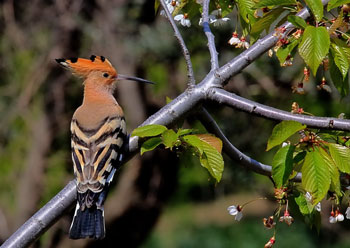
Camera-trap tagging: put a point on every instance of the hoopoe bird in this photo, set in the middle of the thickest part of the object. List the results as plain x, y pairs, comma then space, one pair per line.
98, 134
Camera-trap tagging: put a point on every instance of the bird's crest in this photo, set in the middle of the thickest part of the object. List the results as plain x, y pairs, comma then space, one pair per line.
82, 67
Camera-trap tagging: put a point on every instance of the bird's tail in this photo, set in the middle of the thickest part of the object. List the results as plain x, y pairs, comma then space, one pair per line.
88, 223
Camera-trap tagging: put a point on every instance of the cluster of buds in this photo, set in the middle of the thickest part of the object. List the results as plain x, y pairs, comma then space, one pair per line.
281, 194
306, 74
287, 218
279, 32
288, 61
270, 243
281, 42
296, 109
269, 222
238, 43
324, 86
297, 34
336, 216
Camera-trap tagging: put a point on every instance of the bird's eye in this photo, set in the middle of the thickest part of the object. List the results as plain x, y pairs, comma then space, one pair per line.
106, 75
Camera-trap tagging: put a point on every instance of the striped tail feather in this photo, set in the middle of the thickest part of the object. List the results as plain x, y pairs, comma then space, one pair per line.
87, 223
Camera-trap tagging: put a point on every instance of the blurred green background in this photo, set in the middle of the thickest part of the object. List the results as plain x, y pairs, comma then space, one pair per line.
158, 200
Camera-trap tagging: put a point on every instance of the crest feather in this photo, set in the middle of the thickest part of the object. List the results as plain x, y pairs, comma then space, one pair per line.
82, 67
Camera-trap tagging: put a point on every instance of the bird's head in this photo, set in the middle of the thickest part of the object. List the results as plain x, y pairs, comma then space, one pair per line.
97, 68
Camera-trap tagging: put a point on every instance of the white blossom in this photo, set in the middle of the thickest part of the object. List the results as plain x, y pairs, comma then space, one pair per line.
347, 213
183, 20
235, 211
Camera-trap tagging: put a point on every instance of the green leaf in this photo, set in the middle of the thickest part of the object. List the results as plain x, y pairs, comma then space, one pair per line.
282, 165
314, 46
265, 22
316, 176
316, 7
297, 21
182, 132
246, 9
283, 52
209, 158
341, 156
341, 58
333, 170
267, 3
304, 207
210, 139
335, 3
169, 138
337, 78
299, 157
283, 131
149, 130
150, 144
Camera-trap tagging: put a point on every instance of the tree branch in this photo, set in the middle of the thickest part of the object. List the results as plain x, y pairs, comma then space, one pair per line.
230, 99
186, 53
211, 38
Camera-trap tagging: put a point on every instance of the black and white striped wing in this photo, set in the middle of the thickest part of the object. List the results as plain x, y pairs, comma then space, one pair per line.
95, 152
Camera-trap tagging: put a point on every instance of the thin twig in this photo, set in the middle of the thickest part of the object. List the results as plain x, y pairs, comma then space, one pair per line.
235, 154
230, 99
186, 53
211, 38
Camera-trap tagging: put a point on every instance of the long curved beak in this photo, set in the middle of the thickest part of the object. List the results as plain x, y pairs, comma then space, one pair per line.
141, 80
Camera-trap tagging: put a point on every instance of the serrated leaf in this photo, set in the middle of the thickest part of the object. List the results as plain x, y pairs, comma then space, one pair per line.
297, 21
283, 52
265, 22
150, 144
283, 131
314, 46
316, 177
210, 158
246, 9
149, 130
169, 138
340, 59
341, 156
282, 165
341, 84
267, 3
335, 3
333, 171
316, 7
211, 140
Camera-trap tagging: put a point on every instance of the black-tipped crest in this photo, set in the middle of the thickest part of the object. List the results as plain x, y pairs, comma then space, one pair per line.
102, 58
92, 58
73, 60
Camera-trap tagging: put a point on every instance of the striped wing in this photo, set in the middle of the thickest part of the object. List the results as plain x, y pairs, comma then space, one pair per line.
95, 151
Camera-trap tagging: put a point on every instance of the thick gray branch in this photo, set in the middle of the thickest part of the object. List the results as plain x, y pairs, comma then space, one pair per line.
230, 99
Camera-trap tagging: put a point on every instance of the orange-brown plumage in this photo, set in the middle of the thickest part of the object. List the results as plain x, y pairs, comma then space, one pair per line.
98, 134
